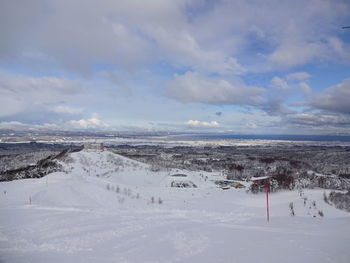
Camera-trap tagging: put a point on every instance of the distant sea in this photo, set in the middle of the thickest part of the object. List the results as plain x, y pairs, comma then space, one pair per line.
324, 138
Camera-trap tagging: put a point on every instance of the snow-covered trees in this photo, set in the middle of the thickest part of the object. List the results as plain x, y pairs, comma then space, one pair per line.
340, 200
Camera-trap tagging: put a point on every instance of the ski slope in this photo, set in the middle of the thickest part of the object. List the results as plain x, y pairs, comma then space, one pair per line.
100, 209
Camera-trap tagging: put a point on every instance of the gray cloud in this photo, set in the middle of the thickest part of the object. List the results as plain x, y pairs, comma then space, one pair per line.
291, 82
327, 111
320, 121
335, 99
279, 83
214, 41
67, 109
131, 33
117, 33
20, 94
275, 107
16, 125
308, 122
293, 33
192, 87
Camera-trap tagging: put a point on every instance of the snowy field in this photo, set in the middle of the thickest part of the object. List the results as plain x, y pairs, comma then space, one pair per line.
107, 208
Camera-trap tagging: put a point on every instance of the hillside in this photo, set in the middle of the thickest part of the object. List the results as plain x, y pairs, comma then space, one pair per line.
103, 207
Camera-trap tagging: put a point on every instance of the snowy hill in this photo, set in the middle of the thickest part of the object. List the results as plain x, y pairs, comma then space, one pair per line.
107, 208
117, 169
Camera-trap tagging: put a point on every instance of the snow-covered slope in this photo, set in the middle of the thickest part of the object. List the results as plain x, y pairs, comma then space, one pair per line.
115, 168
107, 208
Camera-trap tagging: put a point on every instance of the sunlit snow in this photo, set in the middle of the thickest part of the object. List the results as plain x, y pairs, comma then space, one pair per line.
107, 208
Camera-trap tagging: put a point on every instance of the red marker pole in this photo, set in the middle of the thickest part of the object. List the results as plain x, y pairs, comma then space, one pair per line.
267, 200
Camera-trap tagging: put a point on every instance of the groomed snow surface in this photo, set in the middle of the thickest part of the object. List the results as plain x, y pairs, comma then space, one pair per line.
107, 208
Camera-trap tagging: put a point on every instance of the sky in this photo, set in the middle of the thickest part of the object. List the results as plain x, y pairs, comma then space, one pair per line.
236, 66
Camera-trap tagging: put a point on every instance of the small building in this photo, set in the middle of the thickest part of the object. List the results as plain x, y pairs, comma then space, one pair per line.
259, 183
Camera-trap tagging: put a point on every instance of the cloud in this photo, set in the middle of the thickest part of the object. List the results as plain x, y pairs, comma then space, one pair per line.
21, 93
277, 82
281, 88
299, 76
182, 47
16, 125
291, 82
208, 36
275, 107
93, 122
304, 87
250, 125
277, 34
320, 121
107, 32
126, 49
328, 111
219, 113
205, 124
341, 50
192, 87
67, 110
335, 99
293, 54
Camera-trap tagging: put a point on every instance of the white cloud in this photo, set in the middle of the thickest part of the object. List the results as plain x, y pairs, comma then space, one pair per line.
181, 46
21, 93
17, 125
304, 87
213, 41
298, 76
210, 36
251, 125
296, 81
94, 122
293, 54
192, 87
279, 83
340, 49
196, 123
90, 123
67, 110
113, 32
293, 33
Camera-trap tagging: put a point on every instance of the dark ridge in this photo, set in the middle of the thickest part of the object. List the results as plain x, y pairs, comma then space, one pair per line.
40, 169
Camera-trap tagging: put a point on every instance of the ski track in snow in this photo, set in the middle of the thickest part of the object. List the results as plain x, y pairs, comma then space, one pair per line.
78, 216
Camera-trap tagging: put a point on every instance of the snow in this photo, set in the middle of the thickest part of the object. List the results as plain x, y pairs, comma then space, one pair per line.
78, 216
259, 178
